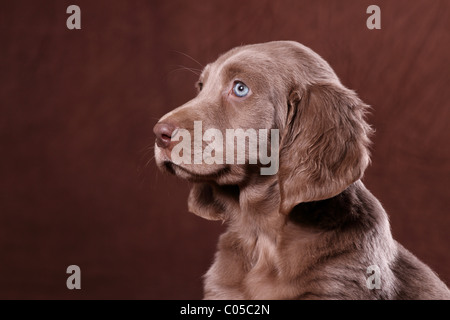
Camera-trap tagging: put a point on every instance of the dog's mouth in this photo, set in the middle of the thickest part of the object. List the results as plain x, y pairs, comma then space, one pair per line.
192, 172
189, 175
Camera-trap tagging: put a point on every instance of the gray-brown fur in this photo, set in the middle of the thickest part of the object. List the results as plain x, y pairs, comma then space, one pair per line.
312, 230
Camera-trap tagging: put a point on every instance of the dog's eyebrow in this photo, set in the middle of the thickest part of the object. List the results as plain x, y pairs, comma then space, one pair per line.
241, 71
234, 70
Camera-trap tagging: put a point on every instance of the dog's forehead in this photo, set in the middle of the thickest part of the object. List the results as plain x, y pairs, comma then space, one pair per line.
248, 55
296, 61
244, 57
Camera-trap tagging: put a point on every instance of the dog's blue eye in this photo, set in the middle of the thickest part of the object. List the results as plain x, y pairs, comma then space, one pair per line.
240, 89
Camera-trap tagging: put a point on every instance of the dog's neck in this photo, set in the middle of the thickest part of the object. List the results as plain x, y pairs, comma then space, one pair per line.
252, 215
254, 208
353, 212
254, 203
258, 201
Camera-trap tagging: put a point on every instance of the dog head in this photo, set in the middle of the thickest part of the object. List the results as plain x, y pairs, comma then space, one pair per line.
321, 141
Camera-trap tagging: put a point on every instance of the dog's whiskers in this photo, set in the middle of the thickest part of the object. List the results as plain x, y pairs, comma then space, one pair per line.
193, 70
188, 56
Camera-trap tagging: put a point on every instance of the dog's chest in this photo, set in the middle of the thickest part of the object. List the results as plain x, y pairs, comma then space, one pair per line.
262, 277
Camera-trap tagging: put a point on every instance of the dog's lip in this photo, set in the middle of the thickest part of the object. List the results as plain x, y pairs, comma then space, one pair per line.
172, 167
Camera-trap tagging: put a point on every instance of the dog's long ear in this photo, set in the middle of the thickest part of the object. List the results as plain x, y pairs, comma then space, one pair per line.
324, 146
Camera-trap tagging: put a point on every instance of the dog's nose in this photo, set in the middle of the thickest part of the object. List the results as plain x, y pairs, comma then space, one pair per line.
163, 132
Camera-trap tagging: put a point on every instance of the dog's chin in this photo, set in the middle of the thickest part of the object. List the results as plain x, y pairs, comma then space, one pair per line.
220, 175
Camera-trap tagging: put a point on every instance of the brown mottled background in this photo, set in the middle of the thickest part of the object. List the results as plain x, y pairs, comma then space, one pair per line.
77, 185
